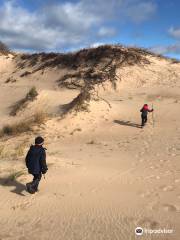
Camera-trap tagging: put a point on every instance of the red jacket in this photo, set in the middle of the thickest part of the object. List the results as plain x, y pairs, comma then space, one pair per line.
144, 110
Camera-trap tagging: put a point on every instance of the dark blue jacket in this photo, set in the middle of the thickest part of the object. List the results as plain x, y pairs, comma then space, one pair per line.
36, 160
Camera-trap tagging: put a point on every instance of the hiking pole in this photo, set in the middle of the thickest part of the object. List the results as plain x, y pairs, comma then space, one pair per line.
153, 114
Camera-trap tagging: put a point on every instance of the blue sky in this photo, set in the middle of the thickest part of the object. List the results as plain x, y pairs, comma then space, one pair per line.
44, 25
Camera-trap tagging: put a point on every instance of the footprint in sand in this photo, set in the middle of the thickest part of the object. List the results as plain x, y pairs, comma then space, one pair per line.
145, 194
149, 223
167, 188
169, 208
22, 238
141, 153
22, 206
166, 207
163, 160
158, 177
177, 180
173, 154
22, 223
146, 144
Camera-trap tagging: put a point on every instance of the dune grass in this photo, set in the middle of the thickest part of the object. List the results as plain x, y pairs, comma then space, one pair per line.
4, 49
23, 125
16, 174
21, 104
19, 150
12, 152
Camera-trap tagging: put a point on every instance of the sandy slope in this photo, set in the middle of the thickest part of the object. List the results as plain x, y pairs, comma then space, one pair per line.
106, 175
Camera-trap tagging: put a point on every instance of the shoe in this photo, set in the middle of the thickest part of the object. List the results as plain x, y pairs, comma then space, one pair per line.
29, 188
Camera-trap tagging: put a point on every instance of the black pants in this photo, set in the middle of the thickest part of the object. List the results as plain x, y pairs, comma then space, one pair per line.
144, 120
36, 180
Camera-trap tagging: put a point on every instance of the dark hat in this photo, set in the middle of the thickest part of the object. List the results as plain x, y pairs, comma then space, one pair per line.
39, 140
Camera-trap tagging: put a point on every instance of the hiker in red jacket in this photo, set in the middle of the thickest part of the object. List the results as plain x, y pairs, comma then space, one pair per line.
144, 112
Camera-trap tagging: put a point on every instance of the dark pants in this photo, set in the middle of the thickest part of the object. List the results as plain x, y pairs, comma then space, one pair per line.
144, 120
36, 180
32, 187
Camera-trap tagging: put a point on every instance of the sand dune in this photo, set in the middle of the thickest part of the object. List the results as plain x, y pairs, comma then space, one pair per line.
106, 175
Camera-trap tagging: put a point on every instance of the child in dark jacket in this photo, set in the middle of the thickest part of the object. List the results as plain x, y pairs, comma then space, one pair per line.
144, 112
36, 164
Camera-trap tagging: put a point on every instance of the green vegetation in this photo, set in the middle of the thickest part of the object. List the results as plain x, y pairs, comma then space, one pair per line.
14, 175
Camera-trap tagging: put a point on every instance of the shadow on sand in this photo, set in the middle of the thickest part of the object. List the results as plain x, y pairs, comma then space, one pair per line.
18, 187
127, 123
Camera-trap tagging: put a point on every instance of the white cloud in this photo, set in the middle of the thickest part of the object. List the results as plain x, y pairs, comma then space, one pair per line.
23, 29
55, 26
174, 32
106, 32
67, 24
97, 44
170, 49
141, 11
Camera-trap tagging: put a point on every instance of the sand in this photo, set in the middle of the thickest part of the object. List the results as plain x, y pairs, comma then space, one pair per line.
106, 175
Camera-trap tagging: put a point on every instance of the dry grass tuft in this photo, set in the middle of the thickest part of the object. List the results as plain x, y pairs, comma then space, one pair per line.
14, 175
24, 125
30, 96
39, 117
19, 150
2, 154
4, 49
16, 128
